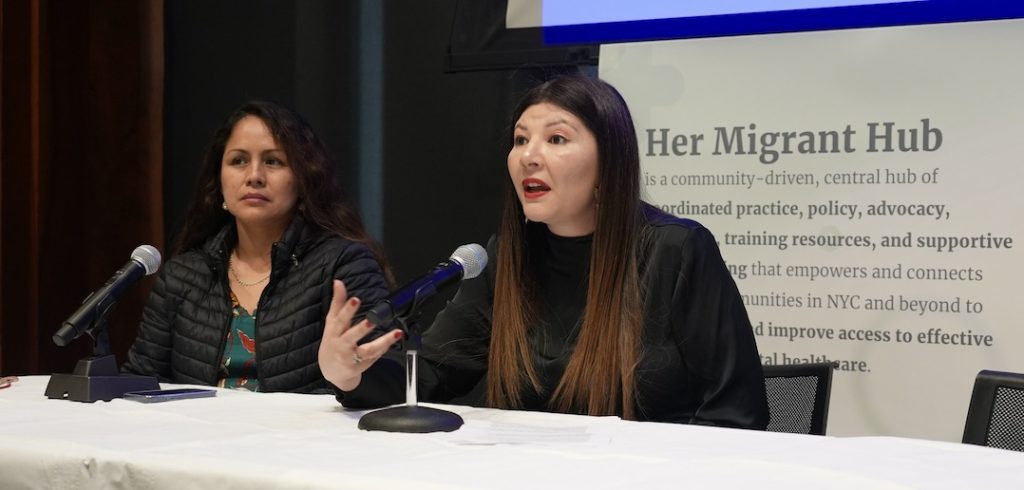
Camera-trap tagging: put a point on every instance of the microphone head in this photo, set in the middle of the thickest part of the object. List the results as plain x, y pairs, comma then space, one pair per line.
148, 256
472, 258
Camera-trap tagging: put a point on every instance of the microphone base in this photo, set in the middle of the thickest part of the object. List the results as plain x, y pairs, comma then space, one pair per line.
94, 379
411, 419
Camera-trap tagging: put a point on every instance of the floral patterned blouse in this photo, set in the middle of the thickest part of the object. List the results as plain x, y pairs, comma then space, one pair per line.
239, 367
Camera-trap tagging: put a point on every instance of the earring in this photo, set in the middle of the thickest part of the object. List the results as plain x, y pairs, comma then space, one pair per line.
224, 205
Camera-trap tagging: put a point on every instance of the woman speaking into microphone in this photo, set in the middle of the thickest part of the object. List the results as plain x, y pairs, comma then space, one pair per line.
592, 302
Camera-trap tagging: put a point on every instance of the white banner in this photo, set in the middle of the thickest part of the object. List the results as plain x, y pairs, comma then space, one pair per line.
864, 186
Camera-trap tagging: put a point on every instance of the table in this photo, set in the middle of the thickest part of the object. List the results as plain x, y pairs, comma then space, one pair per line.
277, 440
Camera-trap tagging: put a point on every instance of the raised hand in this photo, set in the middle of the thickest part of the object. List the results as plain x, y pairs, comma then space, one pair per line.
342, 359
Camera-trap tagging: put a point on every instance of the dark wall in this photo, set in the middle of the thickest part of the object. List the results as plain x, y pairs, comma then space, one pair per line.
445, 140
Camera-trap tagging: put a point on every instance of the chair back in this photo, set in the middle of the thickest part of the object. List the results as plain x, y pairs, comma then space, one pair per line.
995, 417
798, 397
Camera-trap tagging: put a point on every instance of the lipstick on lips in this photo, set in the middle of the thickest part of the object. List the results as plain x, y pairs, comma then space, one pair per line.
534, 188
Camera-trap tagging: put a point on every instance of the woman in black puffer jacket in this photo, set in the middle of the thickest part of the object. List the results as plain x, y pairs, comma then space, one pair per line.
242, 303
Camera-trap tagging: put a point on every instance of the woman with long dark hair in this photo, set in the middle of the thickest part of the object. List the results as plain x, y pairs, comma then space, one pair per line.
593, 302
242, 302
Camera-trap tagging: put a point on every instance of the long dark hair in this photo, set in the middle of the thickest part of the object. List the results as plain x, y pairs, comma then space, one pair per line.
599, 378
321, 203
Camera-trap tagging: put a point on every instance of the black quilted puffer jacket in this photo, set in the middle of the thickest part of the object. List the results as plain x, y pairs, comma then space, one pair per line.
185, 322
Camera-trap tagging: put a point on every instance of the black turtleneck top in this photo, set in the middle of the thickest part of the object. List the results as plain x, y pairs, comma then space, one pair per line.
699, 361
562, 266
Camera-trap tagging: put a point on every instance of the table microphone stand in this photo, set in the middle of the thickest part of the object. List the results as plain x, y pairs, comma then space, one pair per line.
410, 417
97, 377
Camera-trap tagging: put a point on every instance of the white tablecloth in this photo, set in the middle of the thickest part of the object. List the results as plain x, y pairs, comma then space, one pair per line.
270, 440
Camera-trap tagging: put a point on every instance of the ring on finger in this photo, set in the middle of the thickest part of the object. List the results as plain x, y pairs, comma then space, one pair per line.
356, 358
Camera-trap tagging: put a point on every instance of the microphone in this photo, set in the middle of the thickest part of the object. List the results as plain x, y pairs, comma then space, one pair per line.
145, 261
466, 262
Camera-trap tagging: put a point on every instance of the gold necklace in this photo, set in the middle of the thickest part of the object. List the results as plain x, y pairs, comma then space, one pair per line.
234, 274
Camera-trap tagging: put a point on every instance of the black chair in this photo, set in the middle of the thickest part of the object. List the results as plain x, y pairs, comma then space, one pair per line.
996, 414
798, 397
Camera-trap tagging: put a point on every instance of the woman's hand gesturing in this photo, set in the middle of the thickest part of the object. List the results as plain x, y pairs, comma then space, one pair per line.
342, 358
